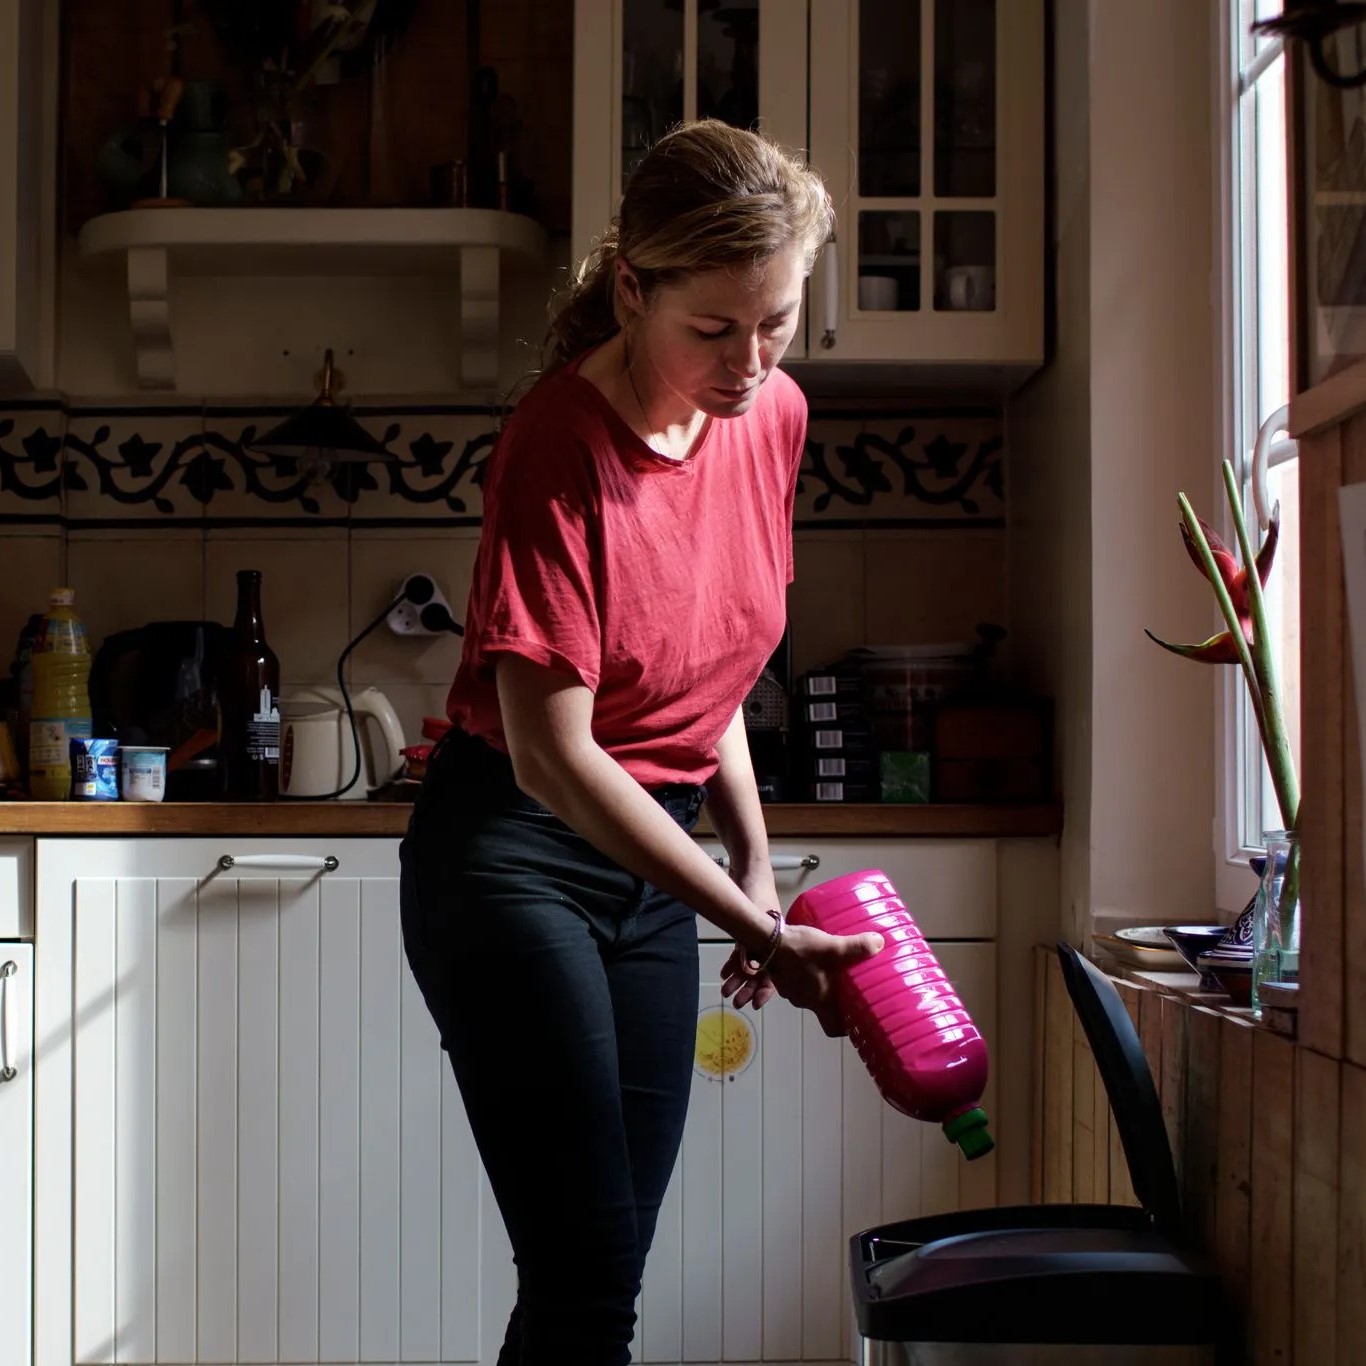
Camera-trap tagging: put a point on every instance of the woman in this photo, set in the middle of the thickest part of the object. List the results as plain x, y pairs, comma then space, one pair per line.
629, 587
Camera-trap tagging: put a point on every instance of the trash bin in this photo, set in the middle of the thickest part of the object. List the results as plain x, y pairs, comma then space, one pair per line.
1055, 1285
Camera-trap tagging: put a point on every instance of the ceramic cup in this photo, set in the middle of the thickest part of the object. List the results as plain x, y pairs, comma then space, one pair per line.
877, 293
970, 289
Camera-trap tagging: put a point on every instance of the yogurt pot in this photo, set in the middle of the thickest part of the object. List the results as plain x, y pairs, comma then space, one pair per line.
142, 773
94, 770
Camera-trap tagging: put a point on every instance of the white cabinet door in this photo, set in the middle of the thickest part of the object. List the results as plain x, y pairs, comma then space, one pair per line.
16, 1154
927, 122
271, 1161
786, 1154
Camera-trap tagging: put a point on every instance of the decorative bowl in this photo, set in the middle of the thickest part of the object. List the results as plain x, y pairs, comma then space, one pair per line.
1233, 972
1193, 940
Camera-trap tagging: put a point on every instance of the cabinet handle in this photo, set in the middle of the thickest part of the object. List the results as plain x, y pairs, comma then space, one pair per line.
831, 295
785, 862
309, 862
7, 1071
780, 863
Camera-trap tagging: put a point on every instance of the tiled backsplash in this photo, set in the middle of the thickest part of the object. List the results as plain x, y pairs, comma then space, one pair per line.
147, 513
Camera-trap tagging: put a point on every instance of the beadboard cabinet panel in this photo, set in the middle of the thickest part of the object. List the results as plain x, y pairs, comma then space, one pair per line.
251, 1147
16, 1145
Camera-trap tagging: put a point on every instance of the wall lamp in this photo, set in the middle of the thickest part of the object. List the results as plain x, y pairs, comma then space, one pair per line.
324, 434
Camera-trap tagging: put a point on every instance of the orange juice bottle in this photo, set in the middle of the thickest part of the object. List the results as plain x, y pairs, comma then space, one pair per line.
61, 698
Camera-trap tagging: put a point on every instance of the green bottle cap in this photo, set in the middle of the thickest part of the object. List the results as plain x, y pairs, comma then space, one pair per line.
969, 1131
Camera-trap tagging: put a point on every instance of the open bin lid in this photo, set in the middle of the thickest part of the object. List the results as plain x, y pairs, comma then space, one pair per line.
1128, 1081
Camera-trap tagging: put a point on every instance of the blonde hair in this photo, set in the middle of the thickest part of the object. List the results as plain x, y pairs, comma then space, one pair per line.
706, 196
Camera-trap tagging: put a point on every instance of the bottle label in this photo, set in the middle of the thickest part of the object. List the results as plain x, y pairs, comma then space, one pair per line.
50, 740
263, 730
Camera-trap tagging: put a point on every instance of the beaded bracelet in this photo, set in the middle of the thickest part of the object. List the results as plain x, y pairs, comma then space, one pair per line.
754, 966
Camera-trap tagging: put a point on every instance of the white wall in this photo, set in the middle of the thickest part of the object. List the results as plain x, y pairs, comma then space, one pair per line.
1102, 442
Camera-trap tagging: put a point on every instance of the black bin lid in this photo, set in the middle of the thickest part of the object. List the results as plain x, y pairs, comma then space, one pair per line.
1123, 1066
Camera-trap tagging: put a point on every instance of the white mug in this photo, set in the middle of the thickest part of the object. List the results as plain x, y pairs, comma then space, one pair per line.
877, 293
971, 288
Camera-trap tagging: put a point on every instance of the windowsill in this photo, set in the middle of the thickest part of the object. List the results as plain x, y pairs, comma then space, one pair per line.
1186, 985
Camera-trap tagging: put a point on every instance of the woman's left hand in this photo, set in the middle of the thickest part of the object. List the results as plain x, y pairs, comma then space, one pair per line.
759, 886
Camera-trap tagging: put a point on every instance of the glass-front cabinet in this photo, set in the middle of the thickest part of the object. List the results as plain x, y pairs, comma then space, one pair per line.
641, 66
926, 119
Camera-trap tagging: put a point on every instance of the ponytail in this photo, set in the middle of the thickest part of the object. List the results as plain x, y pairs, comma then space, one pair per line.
584, 313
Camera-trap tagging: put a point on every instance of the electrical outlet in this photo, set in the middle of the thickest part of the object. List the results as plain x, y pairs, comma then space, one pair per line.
424, 610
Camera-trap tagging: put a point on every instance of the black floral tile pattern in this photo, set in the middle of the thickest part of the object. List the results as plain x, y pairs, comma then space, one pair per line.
137, 465
149, 466
31, 441
911, 471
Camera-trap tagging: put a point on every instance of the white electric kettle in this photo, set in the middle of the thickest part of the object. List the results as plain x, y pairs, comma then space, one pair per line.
317, 755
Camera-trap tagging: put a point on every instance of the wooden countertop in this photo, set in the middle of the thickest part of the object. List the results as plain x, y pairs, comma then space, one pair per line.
358, 819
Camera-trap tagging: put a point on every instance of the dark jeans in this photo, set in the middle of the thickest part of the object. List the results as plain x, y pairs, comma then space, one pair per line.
565, 992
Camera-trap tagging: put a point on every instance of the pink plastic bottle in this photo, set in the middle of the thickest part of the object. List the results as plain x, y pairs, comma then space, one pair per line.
902, 1013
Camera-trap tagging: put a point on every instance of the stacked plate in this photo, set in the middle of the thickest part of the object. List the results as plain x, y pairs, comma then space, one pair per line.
1144, 946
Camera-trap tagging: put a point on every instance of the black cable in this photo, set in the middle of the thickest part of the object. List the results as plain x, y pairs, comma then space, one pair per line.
350, 713
419, 590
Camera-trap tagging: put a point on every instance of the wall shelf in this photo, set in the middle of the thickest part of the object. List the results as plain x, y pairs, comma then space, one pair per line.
155, 245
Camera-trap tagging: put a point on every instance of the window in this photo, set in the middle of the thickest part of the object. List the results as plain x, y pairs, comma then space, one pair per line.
1256, 389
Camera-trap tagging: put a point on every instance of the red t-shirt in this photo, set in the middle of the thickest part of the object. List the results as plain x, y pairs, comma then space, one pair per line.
660, 584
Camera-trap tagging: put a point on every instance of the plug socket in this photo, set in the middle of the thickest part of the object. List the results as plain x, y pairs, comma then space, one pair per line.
424, 610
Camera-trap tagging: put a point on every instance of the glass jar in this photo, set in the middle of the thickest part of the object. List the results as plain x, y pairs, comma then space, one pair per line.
1276, 914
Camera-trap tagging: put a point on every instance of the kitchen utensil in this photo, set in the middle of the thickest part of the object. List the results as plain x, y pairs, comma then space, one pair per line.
1145, 947
158, 685
1192, 940
317, 754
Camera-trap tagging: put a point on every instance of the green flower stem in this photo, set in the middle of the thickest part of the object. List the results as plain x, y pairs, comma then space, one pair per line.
1264, 708
1264, 679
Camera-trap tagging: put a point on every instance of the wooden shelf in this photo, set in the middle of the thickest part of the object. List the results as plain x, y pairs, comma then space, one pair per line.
361, 819
1330, 401
156, 245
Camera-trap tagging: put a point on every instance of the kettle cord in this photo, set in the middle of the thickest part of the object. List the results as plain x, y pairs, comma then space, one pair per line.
350, 713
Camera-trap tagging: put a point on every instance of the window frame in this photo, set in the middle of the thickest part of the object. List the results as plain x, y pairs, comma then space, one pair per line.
1239, 764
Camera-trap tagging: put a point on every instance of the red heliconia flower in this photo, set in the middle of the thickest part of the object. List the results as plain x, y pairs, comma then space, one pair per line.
1221, 649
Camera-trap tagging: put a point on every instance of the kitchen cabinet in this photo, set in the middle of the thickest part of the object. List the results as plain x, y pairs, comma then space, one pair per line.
926, 119
783, 1158
641, 66
16, 1154
27, 171
250, 1146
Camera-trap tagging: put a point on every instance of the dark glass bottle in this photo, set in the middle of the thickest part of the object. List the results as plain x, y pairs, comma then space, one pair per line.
250, 698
